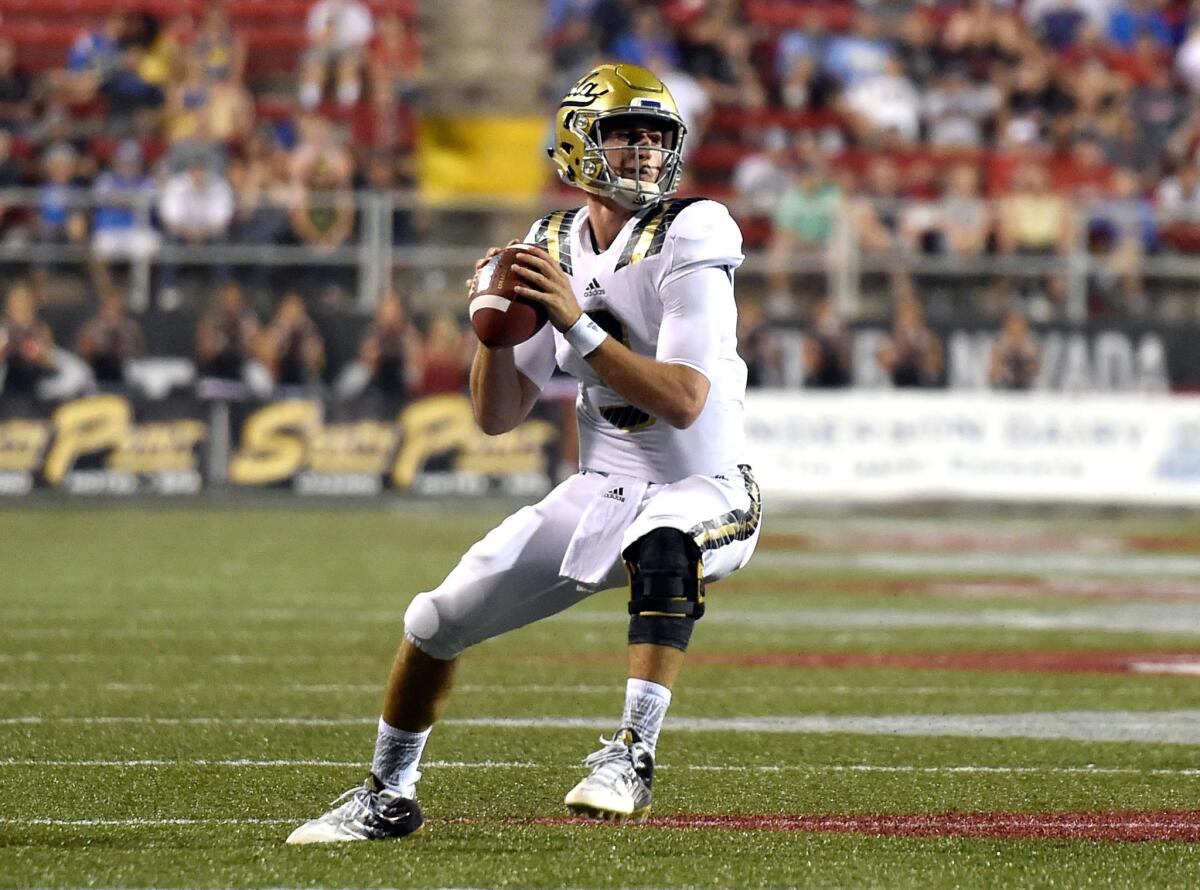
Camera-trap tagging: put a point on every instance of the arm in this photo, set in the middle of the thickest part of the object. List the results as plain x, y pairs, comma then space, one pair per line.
675, 392
501, 395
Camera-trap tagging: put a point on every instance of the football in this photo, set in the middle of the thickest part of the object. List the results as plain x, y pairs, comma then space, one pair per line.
498, 315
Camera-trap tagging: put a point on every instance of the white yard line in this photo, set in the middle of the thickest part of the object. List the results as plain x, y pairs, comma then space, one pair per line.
1169, 619
1049, 564
240, 763
718, 768
614, 688
1181, 727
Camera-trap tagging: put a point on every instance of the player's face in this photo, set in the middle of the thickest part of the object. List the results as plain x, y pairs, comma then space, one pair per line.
635, 150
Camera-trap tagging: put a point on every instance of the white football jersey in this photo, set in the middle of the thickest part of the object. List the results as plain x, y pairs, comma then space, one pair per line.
630, 290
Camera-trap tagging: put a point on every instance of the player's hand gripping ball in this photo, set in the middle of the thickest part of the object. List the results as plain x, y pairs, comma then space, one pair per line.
498, 315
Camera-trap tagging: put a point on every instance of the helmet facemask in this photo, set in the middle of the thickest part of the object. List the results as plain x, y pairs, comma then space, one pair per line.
600, 168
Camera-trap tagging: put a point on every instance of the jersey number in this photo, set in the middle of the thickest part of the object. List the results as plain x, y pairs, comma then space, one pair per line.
623, 417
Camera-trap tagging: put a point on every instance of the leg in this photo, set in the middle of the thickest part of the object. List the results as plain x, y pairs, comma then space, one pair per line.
507, 580
417, 689
666, 599
657, 664
697, 530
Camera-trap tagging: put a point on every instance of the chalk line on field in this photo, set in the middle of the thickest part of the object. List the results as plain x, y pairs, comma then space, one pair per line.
902, 768
1180, 727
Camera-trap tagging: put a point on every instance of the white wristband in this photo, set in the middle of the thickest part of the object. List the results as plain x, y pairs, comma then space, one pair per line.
585, 335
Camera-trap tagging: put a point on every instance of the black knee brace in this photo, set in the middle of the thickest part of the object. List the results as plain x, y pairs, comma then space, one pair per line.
666, 588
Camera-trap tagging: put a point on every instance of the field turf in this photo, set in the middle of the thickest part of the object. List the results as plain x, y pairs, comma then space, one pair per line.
908, 700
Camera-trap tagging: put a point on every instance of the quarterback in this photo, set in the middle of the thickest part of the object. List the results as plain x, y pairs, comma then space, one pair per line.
638, 288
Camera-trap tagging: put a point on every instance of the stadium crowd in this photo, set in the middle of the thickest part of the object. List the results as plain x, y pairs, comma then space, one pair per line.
948, 130
956, 129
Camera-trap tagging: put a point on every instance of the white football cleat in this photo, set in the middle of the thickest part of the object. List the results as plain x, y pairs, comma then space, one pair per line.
619, 786
371, 812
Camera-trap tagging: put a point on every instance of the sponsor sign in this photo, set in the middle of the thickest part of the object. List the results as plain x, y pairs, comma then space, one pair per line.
883, 446
94, 445
433, 447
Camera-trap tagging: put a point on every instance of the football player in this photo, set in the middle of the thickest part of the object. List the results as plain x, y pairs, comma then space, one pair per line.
638, 288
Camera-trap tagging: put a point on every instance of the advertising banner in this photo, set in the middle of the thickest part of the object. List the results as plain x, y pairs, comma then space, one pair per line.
882, 446
111, 444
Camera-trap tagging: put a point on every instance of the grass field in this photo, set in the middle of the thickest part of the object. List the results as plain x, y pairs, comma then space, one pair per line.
915, 700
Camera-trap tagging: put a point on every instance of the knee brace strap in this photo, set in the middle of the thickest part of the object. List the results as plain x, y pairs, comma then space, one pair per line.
665, 576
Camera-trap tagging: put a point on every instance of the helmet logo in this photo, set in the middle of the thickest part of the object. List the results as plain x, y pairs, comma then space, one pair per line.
583, 94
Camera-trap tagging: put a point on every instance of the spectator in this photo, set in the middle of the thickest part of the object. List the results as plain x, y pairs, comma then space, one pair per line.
876, 208
93, 58
1157, 110
323, 221
389, 351
319, 143
1035, 221
265, 192
646, 42
958, 224
11, 177
196, 208
883, 104
911, 355
396, 62
26, 348
1121, 232
109, 340
803, 223
1134, 19
1178, 200
338, 32
1187, 61
444, 357
219, 50
761, 178
859, 54
718, 57
1016, 358
692, 100
120, 230
16, 89
1059, 21
958, 112
61, 218
208, 111
226, 334
827, 362
387, 173
291, 347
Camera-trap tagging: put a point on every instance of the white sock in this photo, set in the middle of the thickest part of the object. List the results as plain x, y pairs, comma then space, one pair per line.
645, 707
397, 754
347, 92
310, 95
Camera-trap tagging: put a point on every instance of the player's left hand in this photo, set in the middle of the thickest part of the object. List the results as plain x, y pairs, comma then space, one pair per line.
546, 283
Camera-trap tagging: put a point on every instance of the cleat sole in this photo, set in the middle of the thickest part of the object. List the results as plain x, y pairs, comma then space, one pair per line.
599, 815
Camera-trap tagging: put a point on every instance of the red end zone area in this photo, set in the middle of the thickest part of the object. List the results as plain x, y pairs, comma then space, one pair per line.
1136, 825
1049, 662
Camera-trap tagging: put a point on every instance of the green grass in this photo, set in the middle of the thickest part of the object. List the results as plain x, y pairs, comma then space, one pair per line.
162, 615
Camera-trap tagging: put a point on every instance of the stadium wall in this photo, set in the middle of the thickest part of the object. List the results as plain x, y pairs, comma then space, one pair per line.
852, 446
1021, 447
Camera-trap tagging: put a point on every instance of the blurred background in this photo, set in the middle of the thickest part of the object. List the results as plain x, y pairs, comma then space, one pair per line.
234, 235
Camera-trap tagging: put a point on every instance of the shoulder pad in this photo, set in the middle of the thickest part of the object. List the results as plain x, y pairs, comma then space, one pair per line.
553, 232
703, 235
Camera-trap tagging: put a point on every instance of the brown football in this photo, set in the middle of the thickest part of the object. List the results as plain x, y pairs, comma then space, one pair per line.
498, 315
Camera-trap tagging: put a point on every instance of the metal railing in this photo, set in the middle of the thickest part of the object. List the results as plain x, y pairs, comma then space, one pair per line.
374, 257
